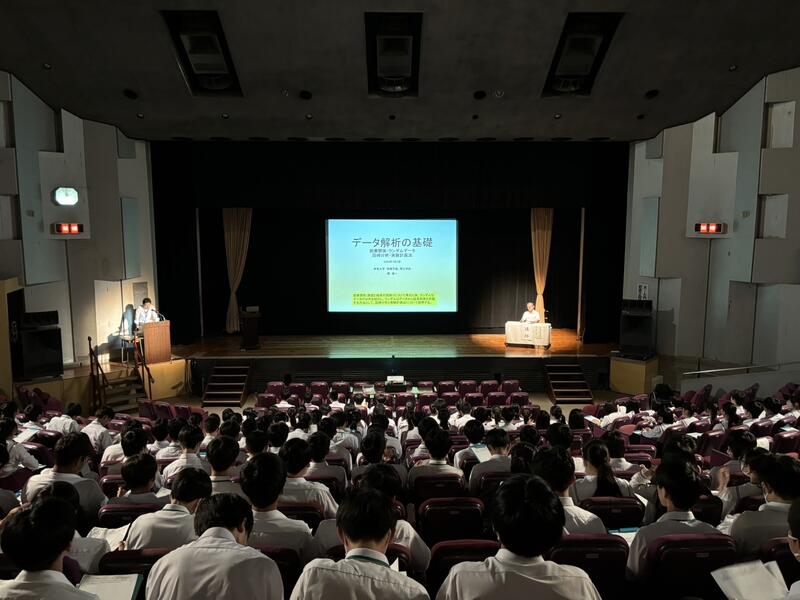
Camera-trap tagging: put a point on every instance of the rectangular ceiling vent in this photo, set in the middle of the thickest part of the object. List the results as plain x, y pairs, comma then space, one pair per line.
393, 53
203, 55
580, 52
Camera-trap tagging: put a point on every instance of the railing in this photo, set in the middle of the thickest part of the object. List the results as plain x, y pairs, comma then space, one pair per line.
99, 380
743, 370
139, 359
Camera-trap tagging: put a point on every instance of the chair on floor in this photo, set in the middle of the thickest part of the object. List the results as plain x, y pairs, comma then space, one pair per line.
496, 399
276, 387
452, 398
488, 386
602, 556
266, 400
442, 519
467, 386
426, 487
509, 386
119, 515
710, 440
321, 388
425, 399
164, 410
786, 441
445, 386
445, 555
761, 428
332, 483
312, 514
110, 485
708, 509
288, 563
616, 513
298, 389
520, 398
473, 399
40, 452
132, 562
46, 438
147, 410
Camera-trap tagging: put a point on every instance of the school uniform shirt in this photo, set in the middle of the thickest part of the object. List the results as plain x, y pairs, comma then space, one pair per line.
346, 439
210, 437
99, 436
585, 488
394, 444
508, 575
404, 535
432, 467
735, 467
170, 527
402, 472
413, 434
42, 585
297, 433
297, 490
215, 566
63, 424
273, 528
18, 457
730, 496
610, 417
754, 527
496, 464
223, 484
156, 446
363, 575
185, 461
337, 451
655, 432
171, 450
91, 496
458, 421
579, 520
323, 469
146, 498
620, 464
794, 592
87, 552
687, 421
463, 455
530, 316
113, 453
420, 452
671, 523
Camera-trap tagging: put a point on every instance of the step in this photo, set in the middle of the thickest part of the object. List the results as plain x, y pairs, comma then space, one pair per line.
232, 368
124, 407
222, 402
223, 393
228, 375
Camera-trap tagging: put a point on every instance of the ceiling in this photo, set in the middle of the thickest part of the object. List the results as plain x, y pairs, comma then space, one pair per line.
701, 56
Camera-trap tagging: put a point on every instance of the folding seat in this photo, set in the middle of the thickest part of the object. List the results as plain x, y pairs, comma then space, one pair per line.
748, 503
488, 386
110, 485
147, 410
616, 513
452, 398
46, 438
445, 386
639, 458
40, 452
643, 401
787, 441
16, 481
602, 556
276, 387
119, 515
266, 400
489, 482
332, 483
708, 509
163, 462
437, 486
788, 421
679, 566
467, 465
710, 440
779, 551
441, 519
425, 386
312, 514
320, 388
164, 410
751, 392
116, 425
628, 430
496, 399
403, 398
425, 399
335, 461
288, 563
520, 398
299, 389
590, 410
676, 431
700, 426
647, 448
132, 562
583, 435
509, 386
473, 398
761, 428
445, 555
619, 422
114, 467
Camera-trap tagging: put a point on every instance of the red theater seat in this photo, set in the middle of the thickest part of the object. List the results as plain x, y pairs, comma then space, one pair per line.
445, 555
602, 556
312, 514
437, 486
119, 515
616, 513
442, 519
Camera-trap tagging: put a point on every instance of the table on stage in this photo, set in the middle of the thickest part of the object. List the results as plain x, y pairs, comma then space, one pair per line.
528, 334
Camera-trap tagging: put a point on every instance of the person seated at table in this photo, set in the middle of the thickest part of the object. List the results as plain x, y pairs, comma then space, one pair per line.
497, 442
599, 480
531, 315
439, 443
139, 474
524, 504
366, 523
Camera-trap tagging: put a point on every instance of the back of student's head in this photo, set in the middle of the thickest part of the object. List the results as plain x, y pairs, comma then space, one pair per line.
190, 437
739, 441
508, 413
559, 434
160, 429
556, 467
576, 419
320, 446
174, 428
72, 447
65, 491
530, 435
557, 413
522, 457
327, 426
133, 441
496, 439
9, 409
212, 423
365, 515
139, 470
438, 443
296, 455
426, 425
681, 448
383, 478
191, 484
73, 410
104, 412
463, 407
222, 453
381, 421
680, 482
373, 446
256, 441
542, 420
33, 413
231, 428
526, 504
35, 537
781, 474
474, 431
229, 511
277, 434
7, 427
263, 478
615, 443
772, 406
596, 454
248, 426
754, 407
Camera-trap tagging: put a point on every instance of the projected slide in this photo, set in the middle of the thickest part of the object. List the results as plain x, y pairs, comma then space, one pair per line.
392, 265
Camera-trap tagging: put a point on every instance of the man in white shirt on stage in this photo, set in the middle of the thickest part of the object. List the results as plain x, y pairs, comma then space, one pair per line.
529, 316
146, 313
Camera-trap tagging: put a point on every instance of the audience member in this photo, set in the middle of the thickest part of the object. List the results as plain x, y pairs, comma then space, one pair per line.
439, 443
320, 445
296, 455
615, 443
18, 455
739, 441
160, 432
97, 430
189, 438
139, 474
67, 422
173, 449
497, 443
599, 479
221, 454
211, 427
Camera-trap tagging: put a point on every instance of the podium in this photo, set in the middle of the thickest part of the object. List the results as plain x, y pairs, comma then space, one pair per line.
157, 342
528, 334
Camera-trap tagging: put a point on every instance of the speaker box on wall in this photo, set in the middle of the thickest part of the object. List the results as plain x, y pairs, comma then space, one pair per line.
636, 330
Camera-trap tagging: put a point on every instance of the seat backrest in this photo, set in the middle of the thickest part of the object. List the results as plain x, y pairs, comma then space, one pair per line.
312, 514
779, 551
787, 441
163, 462
616, 513
509, 386
298, 389
320, 387
467, 386
700, 426
445, 386
710, 440
490, 481
488, 386
110, 485
648, 448
445, 555
602, 556
496, 399
46, 438
164, 410
452, 398
441, 519
761, 428
40, 452
520, 398
474, 398
467, 464
146, 409
438, 486
288, 563
119, 515
276, 387
748, 503
331, 482
132, 562
266, 400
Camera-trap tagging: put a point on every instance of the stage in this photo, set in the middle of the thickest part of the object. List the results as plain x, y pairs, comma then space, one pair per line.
417, 357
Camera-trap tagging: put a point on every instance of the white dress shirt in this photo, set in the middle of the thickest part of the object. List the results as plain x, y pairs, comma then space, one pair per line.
223, 484
346, 439
63, 424
338, 451
579, 520
273, 528
363, 575
462, 455
87, 552
170, 527
91, 496
498, 463
145, 498
297, 433
620, 464
670, 523
215, 567
730, 496
299, 491
754, 527
113, 453
323, 469
458, 421
432, 467
508, 575
157, 446
530, 316
794, 592
145, 315
585, 488
99, 436
42, 585
185, 461
171, 450
18, 457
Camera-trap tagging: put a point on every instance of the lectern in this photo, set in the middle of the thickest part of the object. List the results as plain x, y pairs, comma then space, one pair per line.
157, 342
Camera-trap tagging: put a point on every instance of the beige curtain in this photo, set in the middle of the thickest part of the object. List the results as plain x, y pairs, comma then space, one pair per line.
541, 234
236, 223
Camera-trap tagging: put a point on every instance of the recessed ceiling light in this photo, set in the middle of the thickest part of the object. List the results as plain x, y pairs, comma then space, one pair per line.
499, 93
305, 94
640, 116
650, 94
475, 117
130, 94
556, 115
309, 116
47, 66
732, 68
392, 117
140, 115
225, 116
479, 95
285, 92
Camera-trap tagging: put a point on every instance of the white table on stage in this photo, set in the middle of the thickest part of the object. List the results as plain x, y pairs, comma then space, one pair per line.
528, 334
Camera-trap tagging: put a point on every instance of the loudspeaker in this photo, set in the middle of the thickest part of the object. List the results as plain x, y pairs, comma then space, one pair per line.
41, 352
636, 330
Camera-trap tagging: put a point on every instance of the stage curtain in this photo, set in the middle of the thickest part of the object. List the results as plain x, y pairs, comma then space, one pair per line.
541, 235
236, 223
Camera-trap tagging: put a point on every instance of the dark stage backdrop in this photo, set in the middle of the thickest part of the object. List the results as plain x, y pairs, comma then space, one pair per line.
293, 188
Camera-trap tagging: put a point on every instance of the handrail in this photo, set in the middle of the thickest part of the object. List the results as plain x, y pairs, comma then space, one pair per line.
139, 358
99, 380
745, 369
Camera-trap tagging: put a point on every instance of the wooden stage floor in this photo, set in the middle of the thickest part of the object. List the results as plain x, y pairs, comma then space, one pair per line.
564, 342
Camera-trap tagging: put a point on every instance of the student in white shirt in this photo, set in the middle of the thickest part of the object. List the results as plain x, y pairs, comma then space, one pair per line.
752, 412
98, 431
211, 428
337, 451
344, 435
160, 432
366, 525
221, 454
615, 443
277, 434
780, 479
37, 540
70, 456
561, 435
263, 478
678, 490
373, 448
730, 495
320, 444
18, 455
462, 416
794, 545
474, 432
393, 447
296, 455
439, 443
139, 474
173, 525
189, 438
531, 315
599, 479
555, 466
173, 449
688, 417
739, 442
218, 564
302, 424
529, 520
498, 444
66, 422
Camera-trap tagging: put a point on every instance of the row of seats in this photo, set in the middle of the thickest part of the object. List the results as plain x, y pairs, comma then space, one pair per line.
334, 389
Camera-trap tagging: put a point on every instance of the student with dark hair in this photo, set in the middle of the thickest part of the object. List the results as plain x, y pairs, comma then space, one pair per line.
221, 454
115, 453
320, 446
730, 418
576, 419
794, 544
219, 563
160, 431
70, 456
780, 480
328, 427
173, 449
139, 474
344, 434
263, 479
439, 443
424, 427
599, 480
301, 425
32, 414
542, 420
523, 504
277, 434
739, 441
256, 441
98, 431
8, 498
615, 442
296, 455
366, 524
36, 540
372, 452
497, 442
530, 435
751, 462
556, 414
772, 410
381, 421
211, 428
67, 422
611, 412
18, 455
521, 455
189, 438
474, 432
414, 418
679, 488
752, 412
173, 525
462, 416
